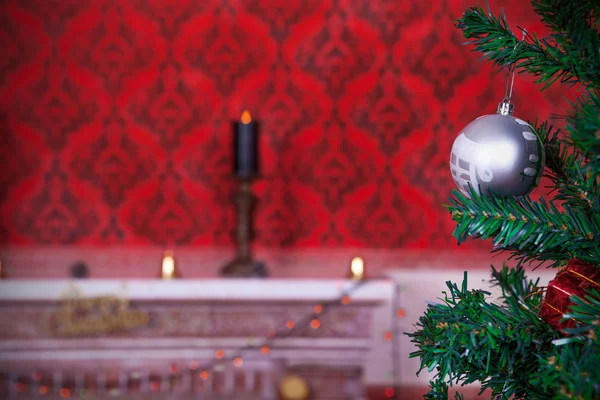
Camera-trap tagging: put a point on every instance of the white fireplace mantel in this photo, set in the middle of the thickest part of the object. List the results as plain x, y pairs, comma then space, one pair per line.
269, 290
186, 321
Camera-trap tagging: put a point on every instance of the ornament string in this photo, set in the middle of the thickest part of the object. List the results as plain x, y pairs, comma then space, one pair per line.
536, 291
559, 311
510, 74
584, 277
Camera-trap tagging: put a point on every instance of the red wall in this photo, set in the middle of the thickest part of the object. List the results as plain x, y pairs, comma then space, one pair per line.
116, 118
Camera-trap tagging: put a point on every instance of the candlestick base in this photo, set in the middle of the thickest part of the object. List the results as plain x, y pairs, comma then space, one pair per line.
244, 268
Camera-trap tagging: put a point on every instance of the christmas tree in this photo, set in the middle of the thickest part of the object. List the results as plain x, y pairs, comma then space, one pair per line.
533, 343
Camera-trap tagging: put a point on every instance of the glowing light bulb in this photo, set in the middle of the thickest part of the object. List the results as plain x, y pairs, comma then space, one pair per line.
357, 268
168, 265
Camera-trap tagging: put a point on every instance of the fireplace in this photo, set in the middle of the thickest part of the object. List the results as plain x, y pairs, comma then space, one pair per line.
187, 339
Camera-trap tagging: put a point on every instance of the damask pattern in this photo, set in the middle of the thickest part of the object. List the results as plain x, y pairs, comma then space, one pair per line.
334, 167
111, 50
170, 108
113, 162
55, 214
289, 221
442, 60
55, 106
389, 112
287, 106
19, 160
169, 14
17, 46
116, 118
55, 14
170, 216
225, 53
385, 219
391, 18
281, 16
428, 173
336, 55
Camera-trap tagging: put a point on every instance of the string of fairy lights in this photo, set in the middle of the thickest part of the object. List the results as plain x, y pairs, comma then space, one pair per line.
357, 274
311, 320
290, 326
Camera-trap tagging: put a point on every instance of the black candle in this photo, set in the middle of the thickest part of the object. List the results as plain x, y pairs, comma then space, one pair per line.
245, 145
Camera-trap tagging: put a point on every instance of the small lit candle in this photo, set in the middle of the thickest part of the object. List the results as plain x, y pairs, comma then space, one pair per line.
168, 265
357, 268
245, 146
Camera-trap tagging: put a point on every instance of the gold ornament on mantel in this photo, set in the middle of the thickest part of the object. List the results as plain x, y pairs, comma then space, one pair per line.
357, 269
89, 316
293, 387
168, 269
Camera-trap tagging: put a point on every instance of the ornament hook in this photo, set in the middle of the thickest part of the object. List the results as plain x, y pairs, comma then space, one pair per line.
506, 107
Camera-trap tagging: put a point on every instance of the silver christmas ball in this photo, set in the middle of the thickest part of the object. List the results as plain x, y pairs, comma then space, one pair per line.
498, 153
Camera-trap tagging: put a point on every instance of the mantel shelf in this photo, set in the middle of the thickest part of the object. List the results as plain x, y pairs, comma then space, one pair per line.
269, 290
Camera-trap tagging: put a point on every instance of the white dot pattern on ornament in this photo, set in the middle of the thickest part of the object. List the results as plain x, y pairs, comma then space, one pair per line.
529, 171
529, 136
521, 122
533, 158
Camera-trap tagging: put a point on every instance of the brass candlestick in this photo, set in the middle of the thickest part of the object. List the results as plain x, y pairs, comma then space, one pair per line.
243, 266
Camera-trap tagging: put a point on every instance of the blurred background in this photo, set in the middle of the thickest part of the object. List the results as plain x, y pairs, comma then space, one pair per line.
117, 140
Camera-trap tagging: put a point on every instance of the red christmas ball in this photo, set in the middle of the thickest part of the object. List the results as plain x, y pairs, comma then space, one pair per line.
574, 280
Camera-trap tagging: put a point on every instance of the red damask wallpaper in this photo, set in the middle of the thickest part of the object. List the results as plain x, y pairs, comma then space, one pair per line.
116, 118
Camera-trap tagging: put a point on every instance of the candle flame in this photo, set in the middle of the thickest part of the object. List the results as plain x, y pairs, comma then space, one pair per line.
246, 117
168, 265
357, 268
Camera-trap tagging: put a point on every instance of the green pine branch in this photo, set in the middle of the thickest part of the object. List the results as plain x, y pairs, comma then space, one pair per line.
506, 347
466, 339
576, 187
571, 366
574, 23
545, 58
584, 127
529, 230
517, 291
439, 391
570, 11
